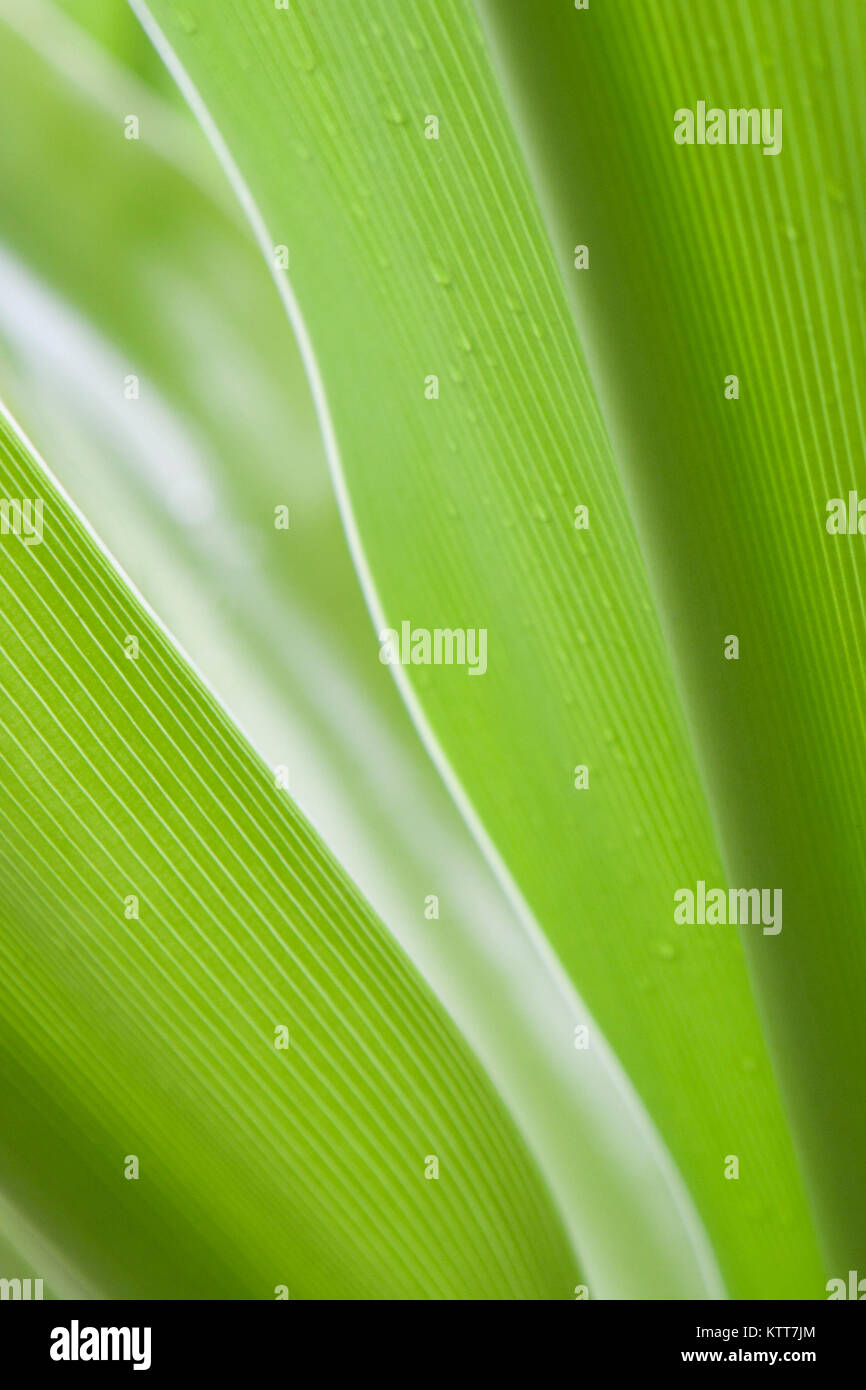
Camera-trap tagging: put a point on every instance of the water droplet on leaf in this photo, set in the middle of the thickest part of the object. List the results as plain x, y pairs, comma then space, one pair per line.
664, 950
439, 273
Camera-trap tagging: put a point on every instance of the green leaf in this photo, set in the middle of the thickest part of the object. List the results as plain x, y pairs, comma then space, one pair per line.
165, 911
744, 264
154, 274
414, 257
419, 253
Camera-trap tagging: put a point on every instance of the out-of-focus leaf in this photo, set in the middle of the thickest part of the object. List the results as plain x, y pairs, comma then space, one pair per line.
165, 912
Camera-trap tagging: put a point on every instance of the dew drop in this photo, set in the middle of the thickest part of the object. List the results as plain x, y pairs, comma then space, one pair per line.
187, 22
439, 273
664, 950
